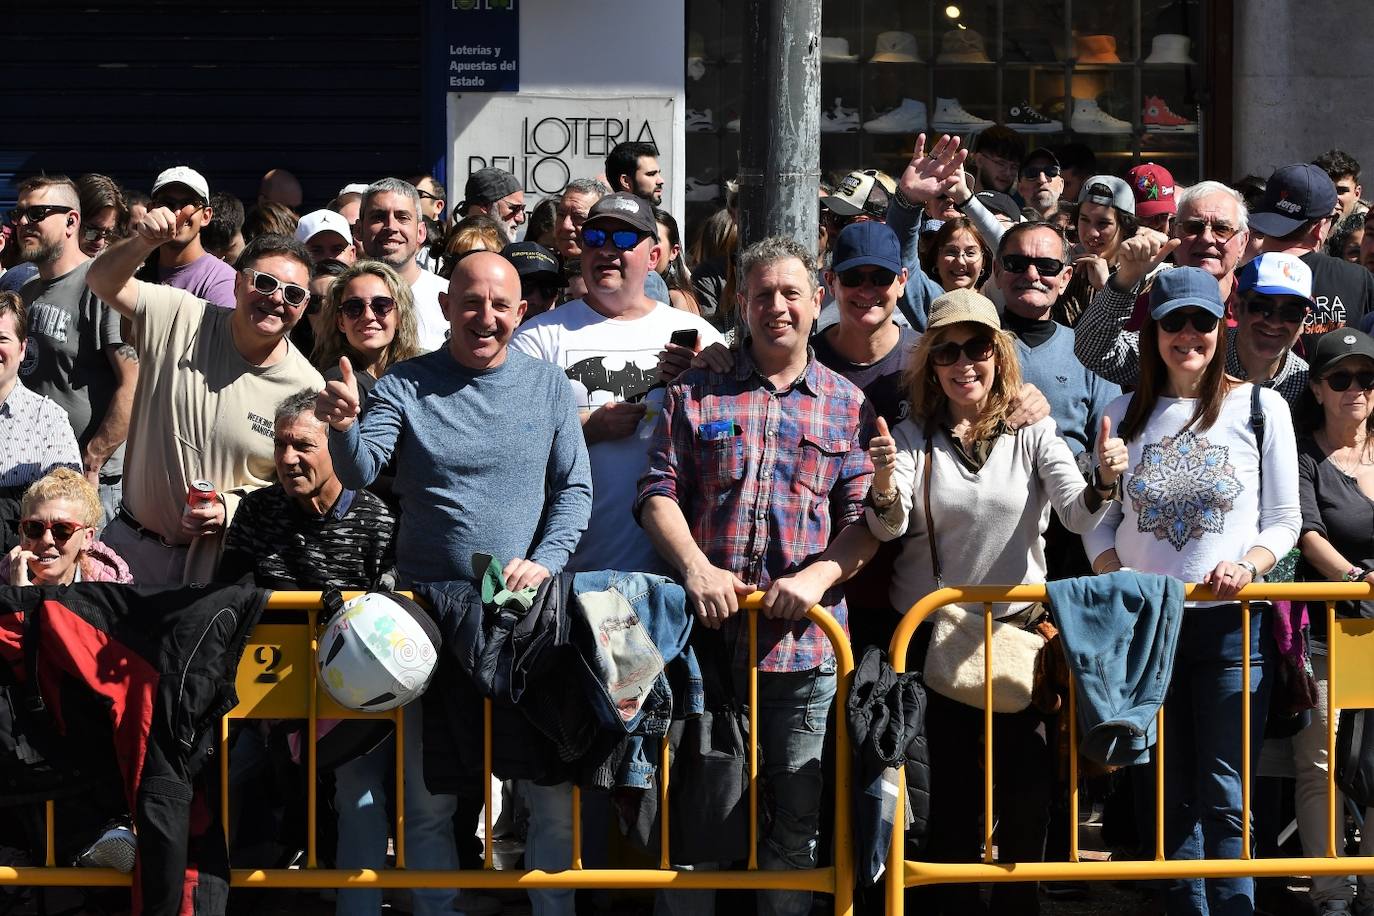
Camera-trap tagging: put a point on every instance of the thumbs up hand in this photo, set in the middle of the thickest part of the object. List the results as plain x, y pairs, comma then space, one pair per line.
882, 451
338, 403
1112, 455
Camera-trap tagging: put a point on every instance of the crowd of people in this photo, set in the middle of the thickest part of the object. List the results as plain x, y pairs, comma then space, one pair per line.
1004, 366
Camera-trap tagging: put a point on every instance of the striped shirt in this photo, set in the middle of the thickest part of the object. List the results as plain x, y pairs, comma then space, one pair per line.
35, 437
766, 478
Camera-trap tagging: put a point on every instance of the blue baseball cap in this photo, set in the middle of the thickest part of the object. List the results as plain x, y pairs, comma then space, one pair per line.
867, 243
1293, 195
1183, 287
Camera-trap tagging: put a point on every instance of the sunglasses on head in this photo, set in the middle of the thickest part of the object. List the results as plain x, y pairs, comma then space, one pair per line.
1288, 312
1031, 172
622, 239
857, 276
975, 349
352, 308
266, 285
1341, 381
1020, 263
1203, 322
36, 213
1222, 231
62, 530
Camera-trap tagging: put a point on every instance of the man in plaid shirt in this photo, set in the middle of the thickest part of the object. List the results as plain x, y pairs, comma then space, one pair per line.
755, 480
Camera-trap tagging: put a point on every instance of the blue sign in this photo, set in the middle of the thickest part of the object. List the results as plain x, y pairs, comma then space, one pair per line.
483, 46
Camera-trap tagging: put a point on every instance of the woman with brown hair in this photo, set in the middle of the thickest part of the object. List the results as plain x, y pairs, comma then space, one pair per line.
958, 258
369, 317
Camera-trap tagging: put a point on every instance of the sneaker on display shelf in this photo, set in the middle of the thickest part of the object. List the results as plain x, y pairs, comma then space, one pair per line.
697, 190
699, 121
732, 125
951, 118
1160, 120
840, 120
907, 118
1088, 118
1026, 118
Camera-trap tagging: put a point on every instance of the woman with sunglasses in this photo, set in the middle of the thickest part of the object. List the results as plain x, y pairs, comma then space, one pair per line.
1336, 492
57, 543
1205, 499
968, 499
368, 316
958, 258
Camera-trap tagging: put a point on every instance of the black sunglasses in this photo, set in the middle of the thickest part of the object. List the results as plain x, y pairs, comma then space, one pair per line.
1035, 171
1289, 313
857, 276
1203, 322
1340, 381
976, 349
381, 306
36, 213
622, 239
266, 285
1020, 263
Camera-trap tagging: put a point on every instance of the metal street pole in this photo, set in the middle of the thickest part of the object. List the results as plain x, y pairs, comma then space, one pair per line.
779, 165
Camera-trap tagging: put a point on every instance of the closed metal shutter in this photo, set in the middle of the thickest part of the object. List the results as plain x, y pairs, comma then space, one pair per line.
329, 89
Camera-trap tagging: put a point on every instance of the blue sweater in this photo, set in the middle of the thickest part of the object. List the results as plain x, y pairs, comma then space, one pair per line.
486, 462
1078, 396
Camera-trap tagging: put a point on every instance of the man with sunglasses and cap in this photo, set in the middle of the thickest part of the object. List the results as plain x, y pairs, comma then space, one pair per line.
75, 353
608, 344
1040, 182
183, 262
204, 375
498, 194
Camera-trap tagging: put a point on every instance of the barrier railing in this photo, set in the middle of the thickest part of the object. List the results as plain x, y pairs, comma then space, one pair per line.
1350, 646
277, 679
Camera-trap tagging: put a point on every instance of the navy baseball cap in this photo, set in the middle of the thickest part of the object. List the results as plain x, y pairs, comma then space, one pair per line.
1293, 195
534, 260
867, 243
1183, 287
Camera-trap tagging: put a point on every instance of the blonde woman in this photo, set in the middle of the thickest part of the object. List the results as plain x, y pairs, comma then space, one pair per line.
368, 316
57, 542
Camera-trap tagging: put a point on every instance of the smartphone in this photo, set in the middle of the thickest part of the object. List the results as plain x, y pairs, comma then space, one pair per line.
684, 338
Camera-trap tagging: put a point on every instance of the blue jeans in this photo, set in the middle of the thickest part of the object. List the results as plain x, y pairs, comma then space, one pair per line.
548, 843
793, 708
1202, 752
360, 795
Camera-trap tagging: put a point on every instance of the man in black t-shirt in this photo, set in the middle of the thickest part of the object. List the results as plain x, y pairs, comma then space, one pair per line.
1294, 217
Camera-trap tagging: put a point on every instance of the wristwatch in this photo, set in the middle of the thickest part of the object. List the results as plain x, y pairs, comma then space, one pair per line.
1355, 574
881, 500
1251, 568
1104, 491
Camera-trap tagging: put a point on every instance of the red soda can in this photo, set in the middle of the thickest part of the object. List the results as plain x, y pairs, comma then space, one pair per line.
201, 493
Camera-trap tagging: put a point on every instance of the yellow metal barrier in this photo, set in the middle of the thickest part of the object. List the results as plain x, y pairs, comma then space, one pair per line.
1350, 647
277, 680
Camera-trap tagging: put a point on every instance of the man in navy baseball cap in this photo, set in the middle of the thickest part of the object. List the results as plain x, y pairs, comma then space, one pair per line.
1295, 194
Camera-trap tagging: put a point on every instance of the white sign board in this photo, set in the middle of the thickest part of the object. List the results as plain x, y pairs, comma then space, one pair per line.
548, 140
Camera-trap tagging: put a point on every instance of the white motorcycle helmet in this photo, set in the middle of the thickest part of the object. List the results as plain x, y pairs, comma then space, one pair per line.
378, 652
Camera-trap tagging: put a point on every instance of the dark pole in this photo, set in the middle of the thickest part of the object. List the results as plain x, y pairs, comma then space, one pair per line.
780, 122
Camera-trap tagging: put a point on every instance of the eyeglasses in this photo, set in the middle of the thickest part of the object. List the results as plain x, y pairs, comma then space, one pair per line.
1222, 231
1289, 313
62, 530
1340, 381
36, 213
622, 239
975, 349
266, 285
1203, 322
1031, 172
856, 277
381, 306
97, 234
1020, 263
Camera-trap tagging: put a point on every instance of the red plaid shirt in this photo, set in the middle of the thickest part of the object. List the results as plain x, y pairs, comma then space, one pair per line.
766, 497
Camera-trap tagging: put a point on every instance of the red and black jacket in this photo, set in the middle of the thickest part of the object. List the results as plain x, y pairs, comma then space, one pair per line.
159, 664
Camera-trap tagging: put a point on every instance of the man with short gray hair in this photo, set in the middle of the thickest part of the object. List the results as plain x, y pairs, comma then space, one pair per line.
757, 479
390, 230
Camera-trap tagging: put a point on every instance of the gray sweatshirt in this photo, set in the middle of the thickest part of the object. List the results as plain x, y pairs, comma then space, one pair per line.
486, 462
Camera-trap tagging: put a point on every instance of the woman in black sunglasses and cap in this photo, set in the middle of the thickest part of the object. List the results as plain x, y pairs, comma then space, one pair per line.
1204, 499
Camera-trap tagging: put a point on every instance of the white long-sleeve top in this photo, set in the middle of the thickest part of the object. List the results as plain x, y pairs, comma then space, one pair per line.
1190, 500
989, 523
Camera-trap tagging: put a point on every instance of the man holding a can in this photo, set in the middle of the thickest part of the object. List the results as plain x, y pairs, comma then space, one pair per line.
198, 441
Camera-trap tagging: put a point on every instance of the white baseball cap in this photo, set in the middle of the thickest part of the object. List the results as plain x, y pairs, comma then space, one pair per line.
183, 174
317, 221
354, 188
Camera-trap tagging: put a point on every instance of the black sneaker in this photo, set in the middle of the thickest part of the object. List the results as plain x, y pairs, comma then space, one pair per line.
1023, 117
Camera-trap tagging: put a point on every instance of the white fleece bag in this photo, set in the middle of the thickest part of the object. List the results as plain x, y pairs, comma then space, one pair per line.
954, 661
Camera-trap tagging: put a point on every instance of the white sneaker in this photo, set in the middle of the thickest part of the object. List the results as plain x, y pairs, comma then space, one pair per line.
695, 189
732, 125
907, 118
950, 118
840, 120
1025, 118
116, 848
699, 121
1090, 119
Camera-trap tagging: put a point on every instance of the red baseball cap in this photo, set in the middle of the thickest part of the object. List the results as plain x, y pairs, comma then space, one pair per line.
1153, 188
